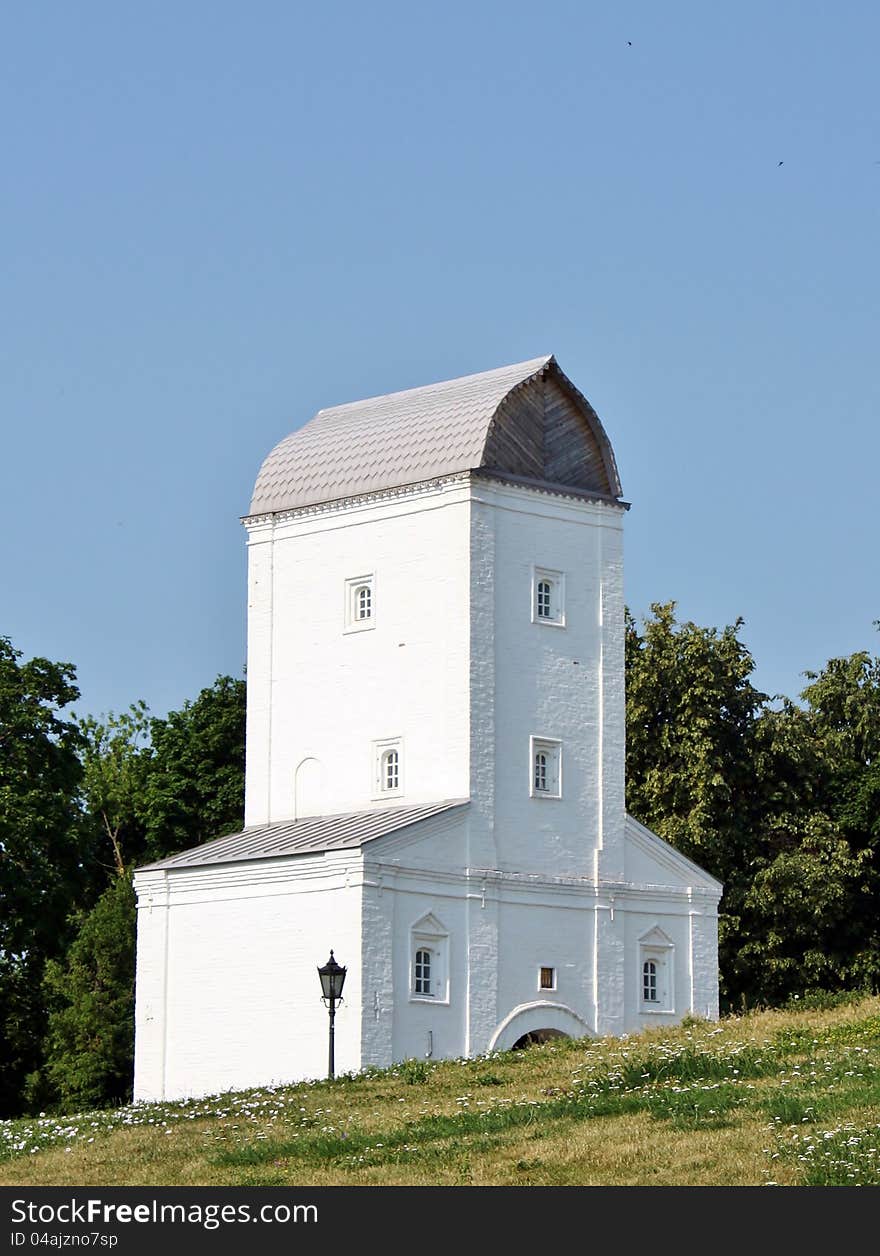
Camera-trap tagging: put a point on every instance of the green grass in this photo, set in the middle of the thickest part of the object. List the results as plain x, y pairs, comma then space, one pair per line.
789, 1097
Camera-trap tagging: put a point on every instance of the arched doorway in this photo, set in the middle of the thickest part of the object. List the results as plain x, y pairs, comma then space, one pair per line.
538, 1021
537, 1038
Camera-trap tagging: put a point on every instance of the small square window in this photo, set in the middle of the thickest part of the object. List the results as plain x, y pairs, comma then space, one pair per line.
360, 603
388, 767
547, 979
545, 767
548, 597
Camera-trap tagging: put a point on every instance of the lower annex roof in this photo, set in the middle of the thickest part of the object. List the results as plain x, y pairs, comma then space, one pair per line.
311, 835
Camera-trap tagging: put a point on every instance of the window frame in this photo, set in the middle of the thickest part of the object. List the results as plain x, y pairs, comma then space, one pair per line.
551, 747
353, 587
650, 992
424, 972
430, 935
556, 581
381, 750
389, 770
657, 949
547, 968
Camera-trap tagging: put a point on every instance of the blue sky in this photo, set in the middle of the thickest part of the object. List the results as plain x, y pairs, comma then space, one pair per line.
217, 218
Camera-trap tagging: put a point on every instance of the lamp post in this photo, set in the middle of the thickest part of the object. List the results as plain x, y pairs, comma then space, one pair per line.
332, 980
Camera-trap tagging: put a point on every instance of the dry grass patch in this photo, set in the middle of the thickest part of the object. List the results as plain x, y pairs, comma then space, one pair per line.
700, 1104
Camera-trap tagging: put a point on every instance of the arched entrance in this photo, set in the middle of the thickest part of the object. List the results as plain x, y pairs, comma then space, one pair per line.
537, 1022
537, 1037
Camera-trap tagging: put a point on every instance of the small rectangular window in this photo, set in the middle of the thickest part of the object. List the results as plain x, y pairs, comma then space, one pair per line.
360, 603
649, 981
547, 979
422, 973
655, 976
429, 960
387, 767
544, 590
391, 770
548, 597
545, 766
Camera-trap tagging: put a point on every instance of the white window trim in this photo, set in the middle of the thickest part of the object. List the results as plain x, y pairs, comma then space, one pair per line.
380, 748
555, 971
657, 947
351, 622
552, 746
556, 619
429, 934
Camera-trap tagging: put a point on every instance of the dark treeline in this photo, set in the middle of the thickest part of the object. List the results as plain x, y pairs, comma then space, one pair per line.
82, 803
779, 800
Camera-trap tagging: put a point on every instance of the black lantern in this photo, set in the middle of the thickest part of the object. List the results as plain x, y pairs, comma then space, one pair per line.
332, 980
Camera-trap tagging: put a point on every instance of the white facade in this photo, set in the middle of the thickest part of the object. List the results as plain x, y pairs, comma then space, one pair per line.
457, 640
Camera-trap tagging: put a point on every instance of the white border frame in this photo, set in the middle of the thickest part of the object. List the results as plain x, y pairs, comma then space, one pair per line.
379, 748
657, 946
429, 934
557, 579
553, 744
352, 583
548, 989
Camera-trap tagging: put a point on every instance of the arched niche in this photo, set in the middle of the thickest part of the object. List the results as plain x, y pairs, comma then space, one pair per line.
308, 788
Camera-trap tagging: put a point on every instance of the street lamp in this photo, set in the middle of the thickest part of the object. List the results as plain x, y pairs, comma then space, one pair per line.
332, 980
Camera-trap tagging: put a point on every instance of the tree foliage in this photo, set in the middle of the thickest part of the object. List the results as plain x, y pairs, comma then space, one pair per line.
147, 801
195, 789
90, 994
116, 769
779, 801
43, 853
692, 717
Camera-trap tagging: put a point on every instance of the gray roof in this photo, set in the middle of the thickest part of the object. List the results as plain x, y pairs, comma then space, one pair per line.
407, 437
311, 835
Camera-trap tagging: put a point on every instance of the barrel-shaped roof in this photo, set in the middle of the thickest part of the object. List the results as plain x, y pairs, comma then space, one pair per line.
526, 419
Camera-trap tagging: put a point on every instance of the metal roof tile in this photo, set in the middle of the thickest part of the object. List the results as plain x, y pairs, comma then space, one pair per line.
311, 835
402, 438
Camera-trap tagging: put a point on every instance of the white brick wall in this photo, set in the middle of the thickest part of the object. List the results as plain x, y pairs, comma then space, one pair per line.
531, 678
323, 693
239, 1003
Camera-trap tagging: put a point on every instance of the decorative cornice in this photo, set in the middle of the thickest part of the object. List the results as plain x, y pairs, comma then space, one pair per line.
548, 489
403, 491
537, 883
418, 488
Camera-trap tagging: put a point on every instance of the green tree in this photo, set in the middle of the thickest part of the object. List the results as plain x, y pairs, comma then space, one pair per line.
196, 781
811, 918
145, 802
90, 994
692, 721
843, 702
777, 800
694, 745
44, 858
803, 917
116, 762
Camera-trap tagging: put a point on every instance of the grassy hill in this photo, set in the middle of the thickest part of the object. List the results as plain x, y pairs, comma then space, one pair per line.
783, 1097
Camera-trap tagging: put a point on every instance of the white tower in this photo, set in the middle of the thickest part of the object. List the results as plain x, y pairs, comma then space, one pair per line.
435, 758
